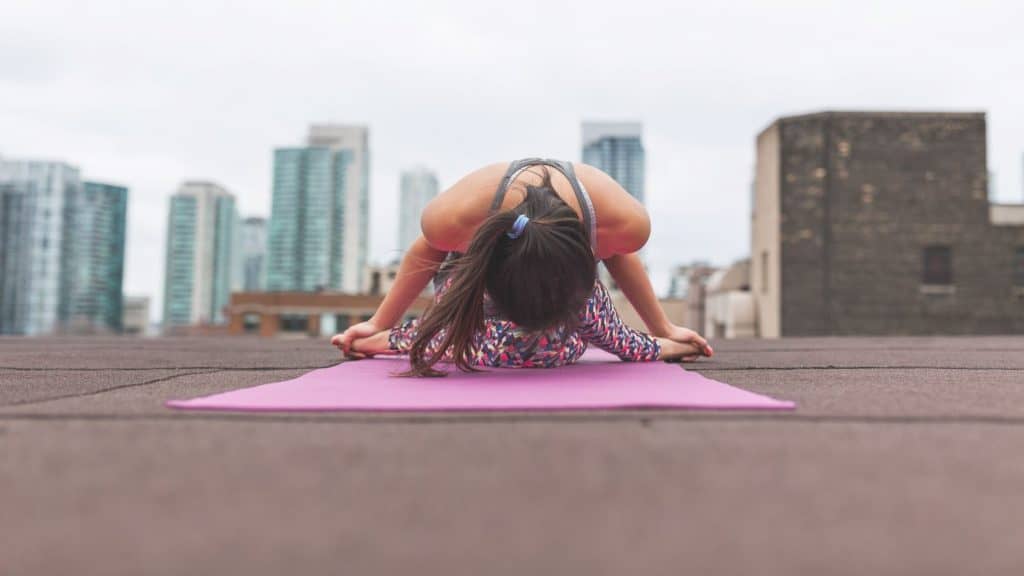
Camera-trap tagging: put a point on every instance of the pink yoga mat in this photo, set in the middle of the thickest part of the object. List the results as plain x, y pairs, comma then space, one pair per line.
599, 380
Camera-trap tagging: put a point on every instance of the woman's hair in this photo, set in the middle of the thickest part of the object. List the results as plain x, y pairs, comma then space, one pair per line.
539, 280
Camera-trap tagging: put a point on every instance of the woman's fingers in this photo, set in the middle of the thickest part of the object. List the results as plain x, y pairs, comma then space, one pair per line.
702, 344
343, 343
371, 345
349, 336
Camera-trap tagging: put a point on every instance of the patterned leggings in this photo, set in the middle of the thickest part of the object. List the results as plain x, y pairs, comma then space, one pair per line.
503, 344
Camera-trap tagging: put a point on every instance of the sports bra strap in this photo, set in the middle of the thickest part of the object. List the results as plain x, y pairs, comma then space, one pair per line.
586, 205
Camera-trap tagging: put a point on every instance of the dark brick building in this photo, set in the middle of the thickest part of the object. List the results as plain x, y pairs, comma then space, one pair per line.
880, 223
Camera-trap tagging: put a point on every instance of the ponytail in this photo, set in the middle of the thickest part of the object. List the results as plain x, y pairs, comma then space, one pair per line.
459, 314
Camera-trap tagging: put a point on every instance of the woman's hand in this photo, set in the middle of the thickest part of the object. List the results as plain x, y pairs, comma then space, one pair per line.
344, 340
690, 338
374, 345
672, 351
367, 347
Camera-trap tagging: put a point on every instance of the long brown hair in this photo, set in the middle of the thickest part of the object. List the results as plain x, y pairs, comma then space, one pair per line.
539, 280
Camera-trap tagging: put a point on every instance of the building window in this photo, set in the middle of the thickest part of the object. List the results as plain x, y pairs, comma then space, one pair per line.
938, 265
294, 323
342, 322
1018, 267
251, 323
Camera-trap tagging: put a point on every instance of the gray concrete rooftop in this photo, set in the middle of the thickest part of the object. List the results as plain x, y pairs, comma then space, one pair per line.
905, 456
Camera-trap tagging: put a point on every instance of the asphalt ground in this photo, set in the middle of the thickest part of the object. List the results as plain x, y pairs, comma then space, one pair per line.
904, 456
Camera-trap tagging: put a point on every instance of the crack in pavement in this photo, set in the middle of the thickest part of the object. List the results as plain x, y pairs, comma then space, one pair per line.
104, 390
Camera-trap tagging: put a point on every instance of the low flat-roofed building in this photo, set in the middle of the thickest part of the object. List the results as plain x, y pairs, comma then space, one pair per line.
314, 314
729, 305
675, 308
135, 315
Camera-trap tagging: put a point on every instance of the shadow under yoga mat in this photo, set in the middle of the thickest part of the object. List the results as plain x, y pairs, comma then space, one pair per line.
598, 381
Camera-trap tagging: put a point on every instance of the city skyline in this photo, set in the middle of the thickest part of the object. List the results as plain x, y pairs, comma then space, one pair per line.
702, 95
245, 238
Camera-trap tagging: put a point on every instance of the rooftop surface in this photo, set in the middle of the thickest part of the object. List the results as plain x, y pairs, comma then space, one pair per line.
905, 455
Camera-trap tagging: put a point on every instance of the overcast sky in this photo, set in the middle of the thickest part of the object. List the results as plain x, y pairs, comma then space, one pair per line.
147, 94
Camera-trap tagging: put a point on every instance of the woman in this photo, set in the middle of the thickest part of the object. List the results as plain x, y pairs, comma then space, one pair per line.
514, 248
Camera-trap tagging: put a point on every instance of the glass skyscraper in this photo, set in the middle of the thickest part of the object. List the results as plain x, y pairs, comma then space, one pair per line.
617, 148
31, 238
93, 269
254, 254
61, 250
319, 217
419, 186
203, 262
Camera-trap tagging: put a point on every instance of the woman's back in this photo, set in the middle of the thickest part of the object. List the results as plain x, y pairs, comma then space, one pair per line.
451, 219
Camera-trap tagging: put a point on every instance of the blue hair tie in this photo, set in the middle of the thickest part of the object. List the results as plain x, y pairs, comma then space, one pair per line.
518, 226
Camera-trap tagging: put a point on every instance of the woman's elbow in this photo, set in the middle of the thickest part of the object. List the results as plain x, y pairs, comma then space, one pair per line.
638, 232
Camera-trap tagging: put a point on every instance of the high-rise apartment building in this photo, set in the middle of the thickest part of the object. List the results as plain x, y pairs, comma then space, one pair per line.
254, 254
32, 203
61, 249
617, 148
203, 254
419, 186
93, 258
319, 219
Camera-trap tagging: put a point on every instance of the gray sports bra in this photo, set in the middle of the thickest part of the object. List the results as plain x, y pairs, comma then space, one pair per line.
586, 206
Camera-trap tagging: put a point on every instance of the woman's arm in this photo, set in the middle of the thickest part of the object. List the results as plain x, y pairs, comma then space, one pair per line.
629, 274
623, 228
601, 326
418, 266
631, 277
448, 223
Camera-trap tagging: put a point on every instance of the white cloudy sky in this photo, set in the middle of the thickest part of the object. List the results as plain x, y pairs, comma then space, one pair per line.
150, 93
